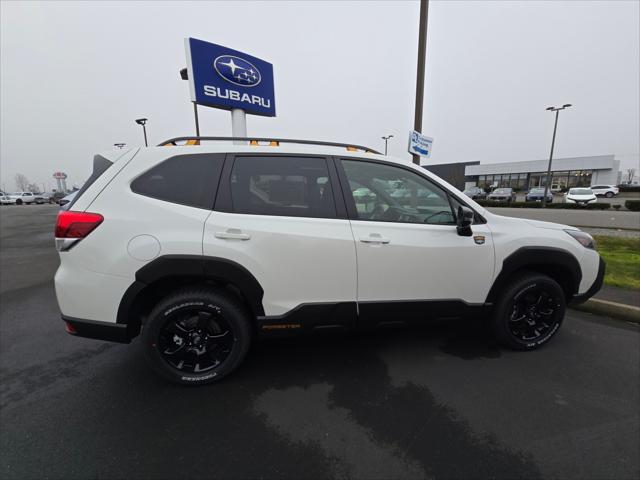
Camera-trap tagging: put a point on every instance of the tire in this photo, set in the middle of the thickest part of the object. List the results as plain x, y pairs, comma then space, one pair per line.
186, 329
609, 194
539, 320
18, 202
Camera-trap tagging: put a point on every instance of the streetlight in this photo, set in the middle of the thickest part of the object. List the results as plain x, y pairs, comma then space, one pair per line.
386, 139
119, 145
553, 141
143, 122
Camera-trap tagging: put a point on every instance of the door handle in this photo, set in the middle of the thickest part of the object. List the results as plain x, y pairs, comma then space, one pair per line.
374, 238
232, 234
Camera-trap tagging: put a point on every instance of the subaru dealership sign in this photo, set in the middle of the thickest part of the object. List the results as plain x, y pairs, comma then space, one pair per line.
419, 144
224, 78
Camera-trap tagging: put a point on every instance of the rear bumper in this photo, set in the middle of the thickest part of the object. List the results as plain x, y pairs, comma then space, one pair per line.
594, 288
112, 332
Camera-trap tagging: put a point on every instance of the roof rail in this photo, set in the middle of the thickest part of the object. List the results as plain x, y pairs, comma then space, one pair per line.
272, 141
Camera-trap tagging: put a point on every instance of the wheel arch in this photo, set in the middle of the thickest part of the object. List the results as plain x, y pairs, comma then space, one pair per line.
169, 272
556, 263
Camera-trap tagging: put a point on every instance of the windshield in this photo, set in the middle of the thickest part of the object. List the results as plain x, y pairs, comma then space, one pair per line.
537, 190
502, 190
580, 191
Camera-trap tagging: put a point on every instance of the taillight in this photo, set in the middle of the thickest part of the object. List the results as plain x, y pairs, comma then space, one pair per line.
73, 226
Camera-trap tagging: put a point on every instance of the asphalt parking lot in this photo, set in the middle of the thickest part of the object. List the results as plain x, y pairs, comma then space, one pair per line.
441, 401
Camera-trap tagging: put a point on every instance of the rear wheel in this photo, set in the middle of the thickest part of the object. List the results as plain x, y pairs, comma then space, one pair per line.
529, 313
197, 336
18, 202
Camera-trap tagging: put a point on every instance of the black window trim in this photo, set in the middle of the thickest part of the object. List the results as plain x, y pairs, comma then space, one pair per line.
351, 206
213, 194
223, 202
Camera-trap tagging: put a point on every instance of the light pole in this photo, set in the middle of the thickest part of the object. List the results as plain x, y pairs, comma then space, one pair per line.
119, 145
553, 142
386, 139
143, 122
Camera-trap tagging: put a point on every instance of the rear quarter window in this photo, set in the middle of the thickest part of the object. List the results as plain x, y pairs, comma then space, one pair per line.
190, 180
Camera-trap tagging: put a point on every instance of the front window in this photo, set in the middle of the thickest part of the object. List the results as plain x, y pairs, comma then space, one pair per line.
580, 191
502, 191
392, 194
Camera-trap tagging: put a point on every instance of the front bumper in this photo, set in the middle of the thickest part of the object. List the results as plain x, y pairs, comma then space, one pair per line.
112, 332
594, 288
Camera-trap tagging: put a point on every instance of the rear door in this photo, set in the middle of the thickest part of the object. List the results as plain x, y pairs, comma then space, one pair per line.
412, 264
283, 218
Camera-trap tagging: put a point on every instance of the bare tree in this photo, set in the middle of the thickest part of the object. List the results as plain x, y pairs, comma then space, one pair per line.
22, 182
631, 172
33, 188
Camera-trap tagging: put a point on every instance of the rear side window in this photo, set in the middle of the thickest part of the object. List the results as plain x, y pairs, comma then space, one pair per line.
284, 186
185, 179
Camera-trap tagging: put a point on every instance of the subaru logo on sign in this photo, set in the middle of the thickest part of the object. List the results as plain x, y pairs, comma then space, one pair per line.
237, 70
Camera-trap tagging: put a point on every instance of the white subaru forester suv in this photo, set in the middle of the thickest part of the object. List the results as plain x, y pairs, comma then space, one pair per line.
204, 248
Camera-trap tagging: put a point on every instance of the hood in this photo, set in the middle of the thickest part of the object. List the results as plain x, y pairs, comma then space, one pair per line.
549, 225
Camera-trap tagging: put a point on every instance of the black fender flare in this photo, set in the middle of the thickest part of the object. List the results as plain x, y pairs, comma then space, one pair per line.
197, 267
558, 263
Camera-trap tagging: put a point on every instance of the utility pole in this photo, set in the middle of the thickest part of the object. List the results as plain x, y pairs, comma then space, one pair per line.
422, 53
553, 142
386, 139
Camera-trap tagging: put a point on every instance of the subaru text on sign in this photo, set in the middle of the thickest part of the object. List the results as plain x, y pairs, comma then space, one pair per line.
225, 78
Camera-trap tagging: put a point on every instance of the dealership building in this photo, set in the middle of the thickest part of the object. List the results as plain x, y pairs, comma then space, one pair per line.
565, 173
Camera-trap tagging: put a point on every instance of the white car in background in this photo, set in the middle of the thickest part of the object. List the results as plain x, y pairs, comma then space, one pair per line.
7, 200
581, 196
25, 198
608, 191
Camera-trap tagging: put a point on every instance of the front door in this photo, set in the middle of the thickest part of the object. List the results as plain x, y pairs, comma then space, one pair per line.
412, 264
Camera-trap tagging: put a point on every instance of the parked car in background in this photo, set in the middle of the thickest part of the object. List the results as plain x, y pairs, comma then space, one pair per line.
608, 191
24, 198
68, 199
581, 196
537, 194
475, 193
503, 195
57, 196
7, 200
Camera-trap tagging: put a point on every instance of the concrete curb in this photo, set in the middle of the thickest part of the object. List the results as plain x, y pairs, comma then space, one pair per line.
620, 311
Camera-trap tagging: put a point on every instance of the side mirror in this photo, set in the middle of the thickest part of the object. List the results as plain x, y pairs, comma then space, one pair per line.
464, 221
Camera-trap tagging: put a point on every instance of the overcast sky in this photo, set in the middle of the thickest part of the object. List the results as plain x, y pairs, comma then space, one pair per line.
75, 75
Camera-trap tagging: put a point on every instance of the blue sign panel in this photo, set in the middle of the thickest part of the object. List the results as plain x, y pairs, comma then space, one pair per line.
224, 78
420, 144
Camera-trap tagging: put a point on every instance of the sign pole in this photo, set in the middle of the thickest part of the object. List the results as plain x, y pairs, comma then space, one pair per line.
422, 52
238, 125
195, 114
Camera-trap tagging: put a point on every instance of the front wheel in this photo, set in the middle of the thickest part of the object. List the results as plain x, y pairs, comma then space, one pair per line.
18, 202
529, 313
609, 194
197, 336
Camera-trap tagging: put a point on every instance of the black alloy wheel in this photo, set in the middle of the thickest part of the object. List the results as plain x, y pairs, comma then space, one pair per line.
197, 335
534, 314
195, 341
529, 311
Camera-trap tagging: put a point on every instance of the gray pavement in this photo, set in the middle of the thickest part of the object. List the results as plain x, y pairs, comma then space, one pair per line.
442, 401
601, 219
